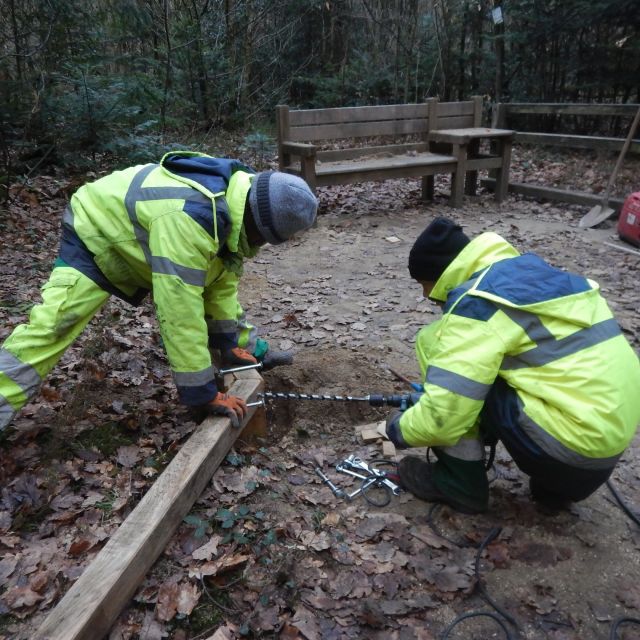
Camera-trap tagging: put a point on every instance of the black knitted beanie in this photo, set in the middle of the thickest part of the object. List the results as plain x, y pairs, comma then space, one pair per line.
435, 249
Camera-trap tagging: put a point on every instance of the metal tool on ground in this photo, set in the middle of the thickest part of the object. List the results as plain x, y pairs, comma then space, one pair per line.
375, 399
339, 493
356, 467
602, 211
367, 482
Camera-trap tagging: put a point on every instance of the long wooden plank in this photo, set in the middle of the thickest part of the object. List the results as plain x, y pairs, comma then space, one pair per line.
450, 109
393, 162
575, 142
359, 129
337, 155
334, 115
552, 193
571, 108
454, 122
91, 606
369, 173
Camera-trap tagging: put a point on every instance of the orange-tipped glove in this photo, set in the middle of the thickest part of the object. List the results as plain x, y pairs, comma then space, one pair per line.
232, 407
237, 357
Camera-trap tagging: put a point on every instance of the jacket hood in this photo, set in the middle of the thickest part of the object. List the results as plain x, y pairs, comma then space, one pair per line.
481, 252
529, 283
214, 177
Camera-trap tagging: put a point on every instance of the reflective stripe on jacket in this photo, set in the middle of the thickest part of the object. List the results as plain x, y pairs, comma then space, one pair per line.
549, 334
160, 227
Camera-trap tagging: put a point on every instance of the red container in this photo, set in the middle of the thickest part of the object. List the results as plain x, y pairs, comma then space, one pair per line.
629, 220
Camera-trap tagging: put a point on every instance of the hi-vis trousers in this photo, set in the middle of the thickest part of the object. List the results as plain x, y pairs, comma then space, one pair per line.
69, 301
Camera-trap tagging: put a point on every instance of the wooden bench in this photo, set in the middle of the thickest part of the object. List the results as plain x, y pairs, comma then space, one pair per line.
406, 151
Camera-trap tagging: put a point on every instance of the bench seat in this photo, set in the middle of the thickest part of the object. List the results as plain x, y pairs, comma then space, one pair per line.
378, 168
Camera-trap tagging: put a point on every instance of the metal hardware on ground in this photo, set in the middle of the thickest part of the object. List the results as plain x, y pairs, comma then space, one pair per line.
339, 493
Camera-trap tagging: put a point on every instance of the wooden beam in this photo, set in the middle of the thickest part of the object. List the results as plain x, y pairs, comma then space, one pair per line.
541, 192
96, 599
574, 142
569, 108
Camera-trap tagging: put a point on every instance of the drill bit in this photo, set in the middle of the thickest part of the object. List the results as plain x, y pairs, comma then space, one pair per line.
375, 400
310, 396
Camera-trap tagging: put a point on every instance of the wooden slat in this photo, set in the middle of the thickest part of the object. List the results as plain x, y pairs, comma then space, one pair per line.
400, 162
449, 109
454, 122
337, 155
552, 193
569, 108
359, 130
575, 142
92, 604
307, 117
384, 168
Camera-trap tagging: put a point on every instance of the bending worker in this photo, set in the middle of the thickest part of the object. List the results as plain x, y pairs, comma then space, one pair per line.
524, 353
181, 229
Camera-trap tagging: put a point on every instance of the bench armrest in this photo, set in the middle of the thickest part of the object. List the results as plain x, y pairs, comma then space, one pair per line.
301, 149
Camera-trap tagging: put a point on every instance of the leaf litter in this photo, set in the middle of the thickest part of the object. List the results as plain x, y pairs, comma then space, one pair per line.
268, 549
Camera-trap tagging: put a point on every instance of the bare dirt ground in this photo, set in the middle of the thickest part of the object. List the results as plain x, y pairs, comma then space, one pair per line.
268, 551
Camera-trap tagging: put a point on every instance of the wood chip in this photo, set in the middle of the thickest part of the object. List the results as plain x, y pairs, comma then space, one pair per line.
370, 435
388, 449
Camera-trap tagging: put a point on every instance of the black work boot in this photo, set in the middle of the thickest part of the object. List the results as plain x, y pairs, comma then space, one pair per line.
273, 359
549, 501
418, 477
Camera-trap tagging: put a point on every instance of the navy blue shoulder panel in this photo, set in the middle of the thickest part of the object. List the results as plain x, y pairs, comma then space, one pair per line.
212, 173
200, 209
470, 306
528, 279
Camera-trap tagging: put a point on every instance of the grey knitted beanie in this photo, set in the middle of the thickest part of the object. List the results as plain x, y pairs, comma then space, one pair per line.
282, 204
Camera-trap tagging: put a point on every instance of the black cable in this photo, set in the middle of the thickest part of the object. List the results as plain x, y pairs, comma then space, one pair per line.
458, 543
619, 621
476, 614
493, 534
366, 487
622, 503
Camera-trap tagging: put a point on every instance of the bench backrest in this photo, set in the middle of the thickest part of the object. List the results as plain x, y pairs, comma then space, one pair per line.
396, 120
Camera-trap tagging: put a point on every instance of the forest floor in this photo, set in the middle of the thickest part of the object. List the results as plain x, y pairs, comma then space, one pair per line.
268, 551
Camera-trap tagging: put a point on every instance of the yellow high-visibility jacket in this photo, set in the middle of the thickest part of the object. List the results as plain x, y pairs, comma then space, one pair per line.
549, 334
162, 228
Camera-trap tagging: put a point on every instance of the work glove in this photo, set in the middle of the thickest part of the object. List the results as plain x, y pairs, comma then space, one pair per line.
236, 357
232, 407
393, 429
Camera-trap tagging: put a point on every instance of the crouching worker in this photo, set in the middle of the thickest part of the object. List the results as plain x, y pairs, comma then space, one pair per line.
180, 229
525, 354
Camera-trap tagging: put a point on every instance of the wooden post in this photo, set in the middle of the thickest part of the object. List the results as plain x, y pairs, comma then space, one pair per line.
282, 120
433, 113
477, 111
96, 599
457, 178
502, 175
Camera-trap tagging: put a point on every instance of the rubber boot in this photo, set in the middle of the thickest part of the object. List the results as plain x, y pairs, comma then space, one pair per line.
461, 484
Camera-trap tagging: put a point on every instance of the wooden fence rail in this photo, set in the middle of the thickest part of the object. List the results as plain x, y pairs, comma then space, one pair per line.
503, 115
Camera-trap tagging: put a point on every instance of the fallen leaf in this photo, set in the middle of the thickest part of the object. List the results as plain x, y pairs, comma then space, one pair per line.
226, 563
167, 604
19, 597
187, 598
128, 455
207, 550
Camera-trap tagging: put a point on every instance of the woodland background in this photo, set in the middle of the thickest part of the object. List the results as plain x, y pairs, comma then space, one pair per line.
124, 80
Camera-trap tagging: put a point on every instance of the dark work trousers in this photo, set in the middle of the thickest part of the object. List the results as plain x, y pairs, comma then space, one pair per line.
500, 421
